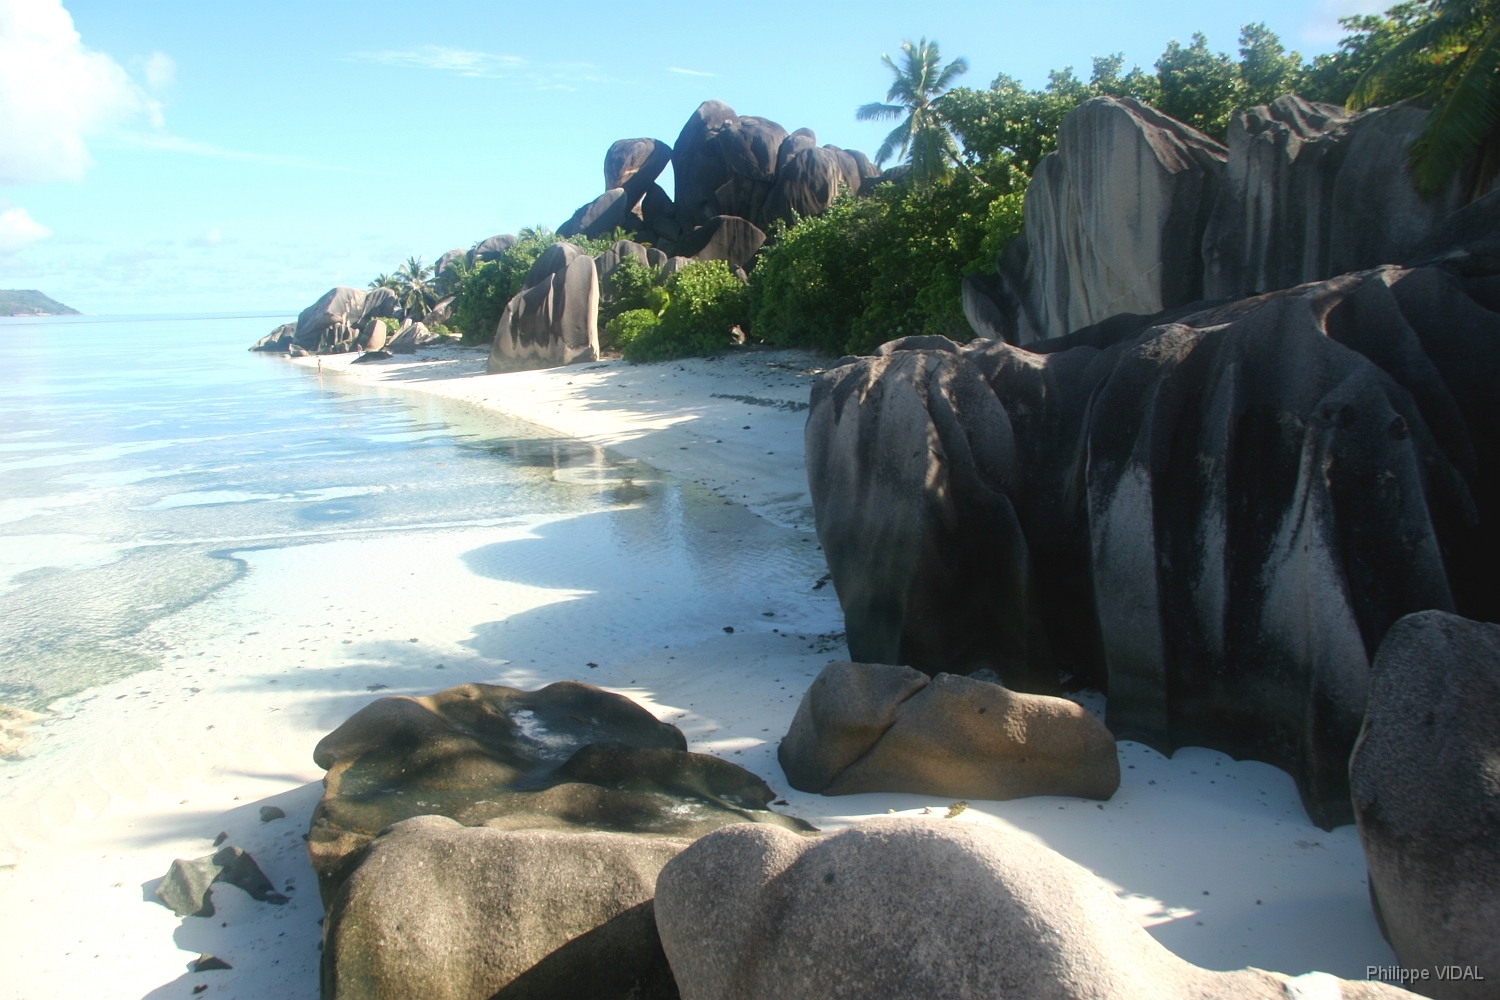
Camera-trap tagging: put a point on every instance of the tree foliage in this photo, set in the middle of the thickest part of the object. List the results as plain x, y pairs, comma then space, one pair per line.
922, 139
706, 302
484, 290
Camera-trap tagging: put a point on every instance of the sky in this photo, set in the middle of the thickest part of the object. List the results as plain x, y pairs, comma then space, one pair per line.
179, 157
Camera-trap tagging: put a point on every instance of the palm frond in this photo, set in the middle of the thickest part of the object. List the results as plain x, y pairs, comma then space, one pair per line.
875, 111
1466, 116
1440, 30
953, 71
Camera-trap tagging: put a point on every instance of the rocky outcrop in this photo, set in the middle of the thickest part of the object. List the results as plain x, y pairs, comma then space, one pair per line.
569, 757
330, 322
278, 341
378, 302
1114, 220
601, 216
633, 165
441, 312
937, 909
878, 728
443, 911
724, 237
372, 336
659, 214
554, 319
186, 888
491, 249
1427, 800
803, 138
1226, 512
695, 173
1295, 205
808, 183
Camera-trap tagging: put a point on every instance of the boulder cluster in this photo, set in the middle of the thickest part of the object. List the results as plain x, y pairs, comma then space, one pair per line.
734, 176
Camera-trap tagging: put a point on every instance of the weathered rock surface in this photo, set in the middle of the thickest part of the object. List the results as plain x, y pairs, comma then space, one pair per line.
441, 312
185, 889
694, 193
554, 319
659, 214
724, 237
407, 338
936, 909
443, 270
491, 249
372, 335
277, 341
633, 165
443, 911
1226, 512
803, 138
377, 302
876, 728
808, 183
1114, 219
330, 320
598, 217
1295, 202
569, 757
1427, 796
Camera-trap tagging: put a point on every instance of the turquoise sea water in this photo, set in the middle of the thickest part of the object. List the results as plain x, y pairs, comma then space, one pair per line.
137, 453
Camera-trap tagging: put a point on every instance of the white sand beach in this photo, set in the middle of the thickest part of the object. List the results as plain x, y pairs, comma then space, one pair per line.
1216, 857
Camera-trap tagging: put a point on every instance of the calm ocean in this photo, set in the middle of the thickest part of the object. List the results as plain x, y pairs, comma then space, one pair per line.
137, 453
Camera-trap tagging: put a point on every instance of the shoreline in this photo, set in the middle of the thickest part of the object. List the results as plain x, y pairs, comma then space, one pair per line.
1215, 857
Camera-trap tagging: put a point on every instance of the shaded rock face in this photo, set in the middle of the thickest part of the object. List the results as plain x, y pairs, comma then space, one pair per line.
554, 319
1225, 512
330, 322
634, 164
372, 335
878, 728
694, 194
569, 757
600, 216
1295, 204
491, 249
724, 237
1114, 219
278, 341
753, 913
443, 270
803, 138
186, 888
443, 911
1427, 799
378, 302
659, 214
807, 184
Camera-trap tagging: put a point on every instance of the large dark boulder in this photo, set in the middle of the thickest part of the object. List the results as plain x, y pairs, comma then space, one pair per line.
808, 184
634, 165
803, 138
599, 217
694, 194
491, 248
1214, 520
278, 341
378, 302
659, 214
1427, 797
331, 320
1296, 200
554, 319
867, 727
1114, 219
937, 909
749, 145
724, 237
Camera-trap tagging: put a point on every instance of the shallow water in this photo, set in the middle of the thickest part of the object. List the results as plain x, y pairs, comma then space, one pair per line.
136, 455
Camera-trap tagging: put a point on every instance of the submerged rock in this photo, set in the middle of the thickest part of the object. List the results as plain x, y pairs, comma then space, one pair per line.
1427, 799
876, 728
936, 909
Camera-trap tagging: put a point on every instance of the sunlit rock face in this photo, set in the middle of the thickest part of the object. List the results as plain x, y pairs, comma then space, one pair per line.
1214, 519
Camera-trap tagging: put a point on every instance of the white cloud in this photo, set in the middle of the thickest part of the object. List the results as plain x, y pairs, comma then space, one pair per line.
160, 71
19, 229
1323, 26
54, 93
489, 65
688, 72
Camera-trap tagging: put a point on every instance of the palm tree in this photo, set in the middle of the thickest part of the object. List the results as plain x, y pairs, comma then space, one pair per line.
1458, 51
383, 280
922, 138
416, 292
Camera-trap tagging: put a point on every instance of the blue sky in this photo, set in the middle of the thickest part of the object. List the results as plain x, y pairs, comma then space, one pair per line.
164, 157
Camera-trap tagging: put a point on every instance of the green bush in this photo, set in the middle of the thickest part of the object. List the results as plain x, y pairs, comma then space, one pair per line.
634, 285
625, 328
392, 324
705, 303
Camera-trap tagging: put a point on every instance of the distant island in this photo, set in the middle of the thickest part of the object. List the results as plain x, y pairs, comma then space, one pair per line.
30, 302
